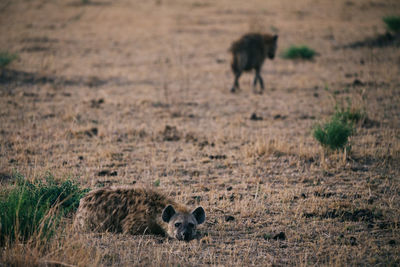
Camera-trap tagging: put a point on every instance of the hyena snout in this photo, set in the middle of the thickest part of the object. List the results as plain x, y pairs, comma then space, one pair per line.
186, 234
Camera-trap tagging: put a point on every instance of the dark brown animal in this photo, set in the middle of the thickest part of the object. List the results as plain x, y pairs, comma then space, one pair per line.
249, 52
136, 210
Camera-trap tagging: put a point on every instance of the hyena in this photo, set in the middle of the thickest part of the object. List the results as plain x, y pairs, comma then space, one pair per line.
137, 210
249, 52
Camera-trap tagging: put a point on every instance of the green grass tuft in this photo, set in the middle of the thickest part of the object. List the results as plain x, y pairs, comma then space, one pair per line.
6, 58
30, 209
299, 52
333, 134
392, 23
349, 116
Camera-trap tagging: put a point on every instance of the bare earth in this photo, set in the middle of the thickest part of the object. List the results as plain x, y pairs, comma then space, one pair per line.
137, 92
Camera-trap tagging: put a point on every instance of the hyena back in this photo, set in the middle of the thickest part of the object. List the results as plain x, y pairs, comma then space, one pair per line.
136, 210
249, 52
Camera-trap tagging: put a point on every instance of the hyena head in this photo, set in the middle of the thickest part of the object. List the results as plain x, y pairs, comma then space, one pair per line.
182, 226
270, 45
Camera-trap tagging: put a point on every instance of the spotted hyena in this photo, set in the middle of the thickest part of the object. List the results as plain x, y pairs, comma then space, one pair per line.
249, 52
137, 210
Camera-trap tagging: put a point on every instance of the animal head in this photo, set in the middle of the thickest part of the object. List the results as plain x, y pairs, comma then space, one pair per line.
270, 44
182, 226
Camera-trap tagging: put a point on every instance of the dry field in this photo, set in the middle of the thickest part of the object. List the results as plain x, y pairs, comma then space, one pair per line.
137, 92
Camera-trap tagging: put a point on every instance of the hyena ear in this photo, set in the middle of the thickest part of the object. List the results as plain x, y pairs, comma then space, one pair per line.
275, 38
167, 213
199, 214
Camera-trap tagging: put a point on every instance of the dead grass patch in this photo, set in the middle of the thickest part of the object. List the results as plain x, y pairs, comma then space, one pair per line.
279, 147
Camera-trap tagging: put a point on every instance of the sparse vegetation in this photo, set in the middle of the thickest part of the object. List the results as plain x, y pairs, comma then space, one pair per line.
349, 116
6, 58
392, 23
333, 134
345, 109
299, 52
28, 208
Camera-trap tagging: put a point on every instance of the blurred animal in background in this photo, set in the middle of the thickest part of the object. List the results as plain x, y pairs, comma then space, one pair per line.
248, 53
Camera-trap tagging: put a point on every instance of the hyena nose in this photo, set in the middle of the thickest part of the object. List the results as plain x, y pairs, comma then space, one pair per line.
186, 236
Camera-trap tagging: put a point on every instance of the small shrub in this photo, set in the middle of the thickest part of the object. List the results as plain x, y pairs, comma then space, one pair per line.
36, 207
299, 52
333, 134
6, 58
392, 23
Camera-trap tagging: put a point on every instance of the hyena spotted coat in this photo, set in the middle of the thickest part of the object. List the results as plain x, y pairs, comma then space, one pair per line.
249, 52
136, 210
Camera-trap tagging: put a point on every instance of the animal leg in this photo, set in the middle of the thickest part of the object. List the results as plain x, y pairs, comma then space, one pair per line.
236, 82
258, 76
255, 81
238, 64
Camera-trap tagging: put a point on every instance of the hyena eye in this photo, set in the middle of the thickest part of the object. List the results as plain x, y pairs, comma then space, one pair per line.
191, 225
177, 224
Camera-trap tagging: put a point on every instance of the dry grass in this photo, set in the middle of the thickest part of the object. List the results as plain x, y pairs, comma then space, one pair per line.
129, 69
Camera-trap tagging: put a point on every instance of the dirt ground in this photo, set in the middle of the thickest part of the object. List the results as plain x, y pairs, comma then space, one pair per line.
137, 92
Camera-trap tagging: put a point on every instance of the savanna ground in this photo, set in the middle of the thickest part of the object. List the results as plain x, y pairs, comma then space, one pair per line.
137, 92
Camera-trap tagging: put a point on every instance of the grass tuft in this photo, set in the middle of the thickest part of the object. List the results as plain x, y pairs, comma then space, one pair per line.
392, 23
350, 116
333, 134
30, 209
299, 52
6, 58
